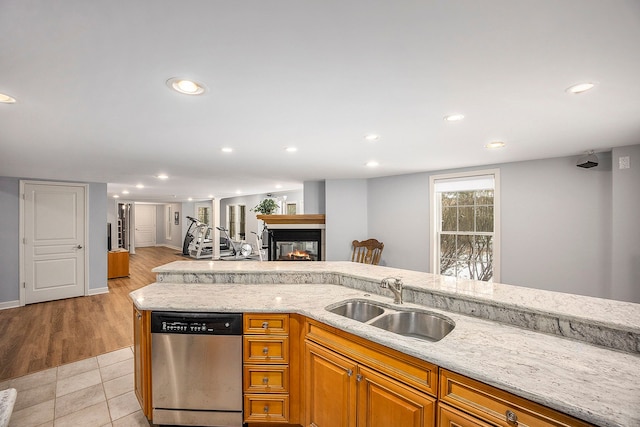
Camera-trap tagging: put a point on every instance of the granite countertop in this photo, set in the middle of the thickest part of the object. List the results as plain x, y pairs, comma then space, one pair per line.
596, 384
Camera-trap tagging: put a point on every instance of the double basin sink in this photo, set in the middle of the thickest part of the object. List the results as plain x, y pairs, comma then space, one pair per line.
419, 324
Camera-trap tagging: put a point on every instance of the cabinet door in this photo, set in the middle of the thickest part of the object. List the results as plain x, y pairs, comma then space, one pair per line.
142, 359
384, 402
330, 388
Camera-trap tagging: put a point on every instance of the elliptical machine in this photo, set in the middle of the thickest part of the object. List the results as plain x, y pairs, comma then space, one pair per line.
239, 250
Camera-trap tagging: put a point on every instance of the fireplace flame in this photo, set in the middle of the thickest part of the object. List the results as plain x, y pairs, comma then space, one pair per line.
299, 255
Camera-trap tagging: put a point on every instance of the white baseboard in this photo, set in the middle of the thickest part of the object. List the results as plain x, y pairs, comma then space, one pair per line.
98, 291
9, 304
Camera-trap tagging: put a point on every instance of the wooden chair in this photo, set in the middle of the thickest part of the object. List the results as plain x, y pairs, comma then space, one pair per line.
367, 251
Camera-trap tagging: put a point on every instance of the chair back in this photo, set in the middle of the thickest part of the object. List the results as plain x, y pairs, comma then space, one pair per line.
367, 251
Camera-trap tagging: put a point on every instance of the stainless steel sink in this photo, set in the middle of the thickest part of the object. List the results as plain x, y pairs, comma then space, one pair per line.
361, 311
417, 324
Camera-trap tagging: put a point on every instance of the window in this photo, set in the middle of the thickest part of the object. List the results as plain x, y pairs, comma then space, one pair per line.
465, 226
231, 218
242, 221
292, 208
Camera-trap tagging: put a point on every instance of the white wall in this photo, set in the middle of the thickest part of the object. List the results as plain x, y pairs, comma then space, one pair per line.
346, 216
625, 261
314, 197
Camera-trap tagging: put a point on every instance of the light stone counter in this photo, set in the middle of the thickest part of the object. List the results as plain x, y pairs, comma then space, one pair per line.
596, 384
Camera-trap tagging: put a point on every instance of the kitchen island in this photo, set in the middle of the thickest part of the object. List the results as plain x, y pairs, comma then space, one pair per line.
497, 337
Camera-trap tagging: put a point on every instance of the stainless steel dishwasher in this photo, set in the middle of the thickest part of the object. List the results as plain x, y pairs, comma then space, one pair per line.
196, 368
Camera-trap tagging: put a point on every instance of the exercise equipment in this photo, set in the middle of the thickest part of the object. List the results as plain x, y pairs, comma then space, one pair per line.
239, 250
197, 242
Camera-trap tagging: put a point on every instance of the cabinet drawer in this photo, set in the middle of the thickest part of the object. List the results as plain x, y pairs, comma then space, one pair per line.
266, 349
266, 379
263, 324
497, 406
266, 408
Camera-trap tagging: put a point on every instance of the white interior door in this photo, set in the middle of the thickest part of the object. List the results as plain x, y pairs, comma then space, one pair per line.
145, 220
54, 217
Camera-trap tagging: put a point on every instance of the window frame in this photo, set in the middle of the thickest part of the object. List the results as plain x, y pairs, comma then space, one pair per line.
435, 215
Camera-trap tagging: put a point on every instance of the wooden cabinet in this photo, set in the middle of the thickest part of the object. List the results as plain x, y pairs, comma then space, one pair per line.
480, 404
142, 359
117, 264
330, 388
266, 381
355, 383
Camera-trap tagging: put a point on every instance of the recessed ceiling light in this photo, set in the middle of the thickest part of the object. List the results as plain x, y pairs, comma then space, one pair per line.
454, 117
291, 149
495, 144
186, 86
190, 199
125, 191
580, 88
372, 137
115, 196
7, 99
372, 164
139, 186
227, 149
162, 176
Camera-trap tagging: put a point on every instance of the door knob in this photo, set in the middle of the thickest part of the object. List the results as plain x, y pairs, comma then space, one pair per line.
79, 247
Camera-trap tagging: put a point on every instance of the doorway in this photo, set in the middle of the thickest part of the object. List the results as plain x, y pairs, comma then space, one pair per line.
145, 225
53, 220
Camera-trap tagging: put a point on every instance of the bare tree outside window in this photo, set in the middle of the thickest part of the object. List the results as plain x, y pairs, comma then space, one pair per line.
466, 234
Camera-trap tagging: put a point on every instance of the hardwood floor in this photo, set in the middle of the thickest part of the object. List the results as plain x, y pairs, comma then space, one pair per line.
45, 335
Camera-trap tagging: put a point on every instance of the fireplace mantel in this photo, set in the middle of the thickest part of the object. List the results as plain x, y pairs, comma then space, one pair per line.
293, 219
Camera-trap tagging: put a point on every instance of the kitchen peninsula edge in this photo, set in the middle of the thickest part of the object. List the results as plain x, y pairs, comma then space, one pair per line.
589, 382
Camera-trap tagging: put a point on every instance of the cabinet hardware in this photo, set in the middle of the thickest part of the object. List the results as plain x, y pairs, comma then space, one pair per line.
349, 372
266, 409
358, 378
511, 417
265, 380
265, 351
265, 325
139, 315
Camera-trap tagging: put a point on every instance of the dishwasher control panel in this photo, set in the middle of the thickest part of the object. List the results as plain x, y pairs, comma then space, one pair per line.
196, 323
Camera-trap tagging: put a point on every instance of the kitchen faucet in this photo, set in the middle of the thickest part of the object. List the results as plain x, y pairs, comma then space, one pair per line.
396, 288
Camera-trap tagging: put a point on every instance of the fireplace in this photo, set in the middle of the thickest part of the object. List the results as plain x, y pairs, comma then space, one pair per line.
288, 244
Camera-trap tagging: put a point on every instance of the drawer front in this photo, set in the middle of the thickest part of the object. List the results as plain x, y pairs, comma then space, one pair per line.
266, 408
266, 379
266, 324
499, 407
271, 350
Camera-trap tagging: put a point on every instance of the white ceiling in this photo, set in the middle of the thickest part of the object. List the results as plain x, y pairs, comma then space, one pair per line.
92, 103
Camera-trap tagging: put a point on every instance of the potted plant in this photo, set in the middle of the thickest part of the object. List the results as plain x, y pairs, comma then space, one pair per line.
266, 207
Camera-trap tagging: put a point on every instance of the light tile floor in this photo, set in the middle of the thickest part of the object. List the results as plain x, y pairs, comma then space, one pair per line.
93, 392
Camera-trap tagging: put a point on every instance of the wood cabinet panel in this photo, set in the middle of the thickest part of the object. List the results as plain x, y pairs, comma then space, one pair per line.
497, 406
384, 402
451, 417
266, 379
272, 408
330, 391
266, 369
266, 349
266, 324
117, 264
417, 373
142, 359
